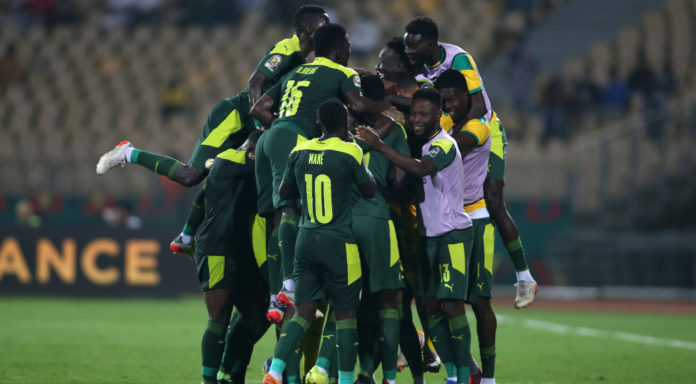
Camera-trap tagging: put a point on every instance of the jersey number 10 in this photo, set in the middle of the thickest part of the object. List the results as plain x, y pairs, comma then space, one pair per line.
291, 98
319, 205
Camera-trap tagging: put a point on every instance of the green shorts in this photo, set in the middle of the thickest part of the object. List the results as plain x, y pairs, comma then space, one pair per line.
225, 128
235, 270
496, 159
259, 235
442, 271
481, 260
327, 267
272, 151
379, 250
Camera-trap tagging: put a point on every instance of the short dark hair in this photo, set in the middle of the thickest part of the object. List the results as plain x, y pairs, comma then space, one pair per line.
423, 26
254, 136
333, 115
428, 94
373, 87
303, 15
397, 45
451, 79
329, 38
403, 80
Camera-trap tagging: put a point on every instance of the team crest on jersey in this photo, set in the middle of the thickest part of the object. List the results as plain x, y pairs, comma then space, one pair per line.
273, 63
251, 155
356, 80
434, 151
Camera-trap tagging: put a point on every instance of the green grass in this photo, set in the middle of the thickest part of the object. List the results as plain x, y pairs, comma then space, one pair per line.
158, 341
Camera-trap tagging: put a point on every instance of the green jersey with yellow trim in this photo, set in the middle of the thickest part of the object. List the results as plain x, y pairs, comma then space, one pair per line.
308, 86
229, 123
381, 169
324, 172
229, 203
282, 58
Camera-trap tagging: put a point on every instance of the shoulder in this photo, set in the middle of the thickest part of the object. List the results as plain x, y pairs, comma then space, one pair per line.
286, 46
324, 62
445, 143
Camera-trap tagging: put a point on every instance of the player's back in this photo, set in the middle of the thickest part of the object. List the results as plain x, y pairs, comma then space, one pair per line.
325, 171
308, 86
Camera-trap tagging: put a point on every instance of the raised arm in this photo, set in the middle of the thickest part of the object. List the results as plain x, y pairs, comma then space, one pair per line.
415, 167
263, 110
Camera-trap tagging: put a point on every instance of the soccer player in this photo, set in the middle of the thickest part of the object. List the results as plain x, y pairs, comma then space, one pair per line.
375, 235
227, 268
445, 228
433, 58
227, 125
327, 266
299, 96
473, 139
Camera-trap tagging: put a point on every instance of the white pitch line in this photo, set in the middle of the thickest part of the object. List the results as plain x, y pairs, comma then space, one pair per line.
564, 329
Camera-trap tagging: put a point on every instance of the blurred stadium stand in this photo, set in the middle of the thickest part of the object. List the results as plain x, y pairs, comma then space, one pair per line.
615, 153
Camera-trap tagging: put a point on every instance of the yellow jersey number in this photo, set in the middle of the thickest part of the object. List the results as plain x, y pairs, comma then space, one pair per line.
291, 98
319, 205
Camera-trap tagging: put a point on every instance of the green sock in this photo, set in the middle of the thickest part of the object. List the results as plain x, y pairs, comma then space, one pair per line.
347, 341
212, 347
287, 236
488, 361
273, 260
327, 352
442, 340
289, 338
389, 338
461, 342
408, 340
292, 369
516, 252
163, 165
242, 333
196, 213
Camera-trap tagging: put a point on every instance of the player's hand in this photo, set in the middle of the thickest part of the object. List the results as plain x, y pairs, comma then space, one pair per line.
368, 136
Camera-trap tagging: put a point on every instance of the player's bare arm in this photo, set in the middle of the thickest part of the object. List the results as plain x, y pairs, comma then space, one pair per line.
415, 167
288, 191
255, 86
362, 105
478, 106
263, 110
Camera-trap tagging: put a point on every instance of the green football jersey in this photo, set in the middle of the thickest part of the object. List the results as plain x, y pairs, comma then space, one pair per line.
381, 169
282, 58
324, 172
229, 121
309, 85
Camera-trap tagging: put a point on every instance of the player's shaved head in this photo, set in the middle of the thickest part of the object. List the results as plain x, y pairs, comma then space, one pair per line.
307, 15
372, 87
423, 26
451, 79
393, 58
333, 116
330, 39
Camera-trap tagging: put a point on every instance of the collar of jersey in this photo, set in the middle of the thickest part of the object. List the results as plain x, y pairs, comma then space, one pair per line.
327, 62
443, 54
437, 132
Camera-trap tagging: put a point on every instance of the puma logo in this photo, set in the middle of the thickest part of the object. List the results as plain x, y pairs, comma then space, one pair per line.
450, 287
480, 285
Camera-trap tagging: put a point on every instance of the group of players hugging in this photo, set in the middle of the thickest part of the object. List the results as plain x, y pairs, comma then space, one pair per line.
334, 197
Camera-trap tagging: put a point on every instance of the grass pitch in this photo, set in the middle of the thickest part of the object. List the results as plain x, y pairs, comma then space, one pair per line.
90, 341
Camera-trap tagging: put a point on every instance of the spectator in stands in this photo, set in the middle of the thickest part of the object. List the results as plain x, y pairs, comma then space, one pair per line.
554, 105
643, 80
667, 83
364, 36
174, 98
614, 99
521, 72
11, 68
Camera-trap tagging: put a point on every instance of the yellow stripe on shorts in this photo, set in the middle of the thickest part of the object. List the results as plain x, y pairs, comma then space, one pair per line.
488, 247
216, 270
353, 263
393, 245
258, 239
458, 257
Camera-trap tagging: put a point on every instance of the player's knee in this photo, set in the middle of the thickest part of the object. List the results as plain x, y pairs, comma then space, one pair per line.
389, 299
219, 315
453, 308
188, 175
